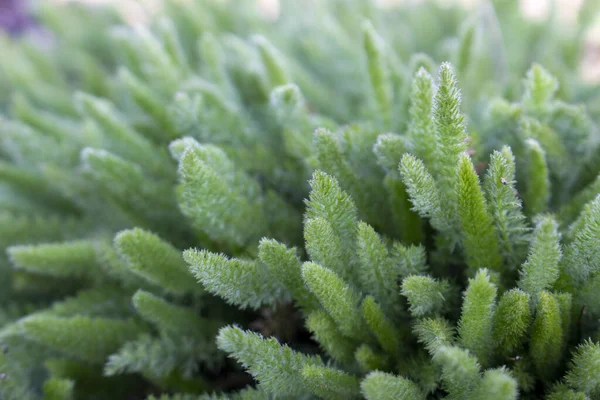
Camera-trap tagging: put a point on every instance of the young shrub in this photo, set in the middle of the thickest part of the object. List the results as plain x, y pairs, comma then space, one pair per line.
218, 204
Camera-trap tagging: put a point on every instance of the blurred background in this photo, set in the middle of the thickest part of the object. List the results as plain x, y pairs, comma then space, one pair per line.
13, 17
532, 8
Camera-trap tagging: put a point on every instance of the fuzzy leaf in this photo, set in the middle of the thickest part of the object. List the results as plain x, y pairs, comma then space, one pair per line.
91, 339
496, 384
172, 318
379, 74
541, 269
505, 207
434, 334
421, 128
272, 61
477, 317
582, 255
238, 281
76, 258
330, 383
479, 240
425, 295
584, 371
546, 336
382, 327
58, 389
369, 360
156, 260
460, 371
450, 137
325, 331
278, 368
540, 88
340, 300
513, 318
538, 182
377, 271
328, 202
284, 265
381, 386
423, 192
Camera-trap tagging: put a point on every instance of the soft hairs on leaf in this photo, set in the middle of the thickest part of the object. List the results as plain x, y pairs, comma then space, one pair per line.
584, 372
268, 360
479, 241
92, 339
240, 282
340, 301
155, 260
541, 269
476, 320
379, 385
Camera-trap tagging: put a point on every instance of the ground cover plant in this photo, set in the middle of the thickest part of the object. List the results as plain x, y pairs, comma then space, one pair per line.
343, 202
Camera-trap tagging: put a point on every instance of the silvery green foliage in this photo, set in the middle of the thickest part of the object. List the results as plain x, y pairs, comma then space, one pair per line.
216, 206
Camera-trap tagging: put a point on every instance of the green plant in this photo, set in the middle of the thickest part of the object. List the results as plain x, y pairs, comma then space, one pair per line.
340, 220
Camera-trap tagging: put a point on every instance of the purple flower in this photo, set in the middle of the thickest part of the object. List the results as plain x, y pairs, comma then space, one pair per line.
14, 17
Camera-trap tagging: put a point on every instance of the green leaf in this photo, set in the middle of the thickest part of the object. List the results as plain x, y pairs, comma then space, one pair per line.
425, 295
156, 260
465, 51
324, 247
379, 74
167, 355
537, 195
58, 389
378, 274
381, 386
168, 317
505, 207
284, 266
380, 325
244, 283
278, 368
327, 334
479, 240
147, 99
563, 392
412, 260
496, 384
339, 299
582, 255
541, 270
275, 70
328, 202
389, 149
213, 59
421, 129
423, 192
218, 199
540, 88
434, 334
369, 360
476, 321
584, 371
460, 371
91, 339
145, 201
120, 137
450, 137
330, 383
511, 321
546, 336
68, 259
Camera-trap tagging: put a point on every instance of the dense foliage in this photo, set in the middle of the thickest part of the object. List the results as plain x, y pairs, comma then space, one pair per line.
343, 202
